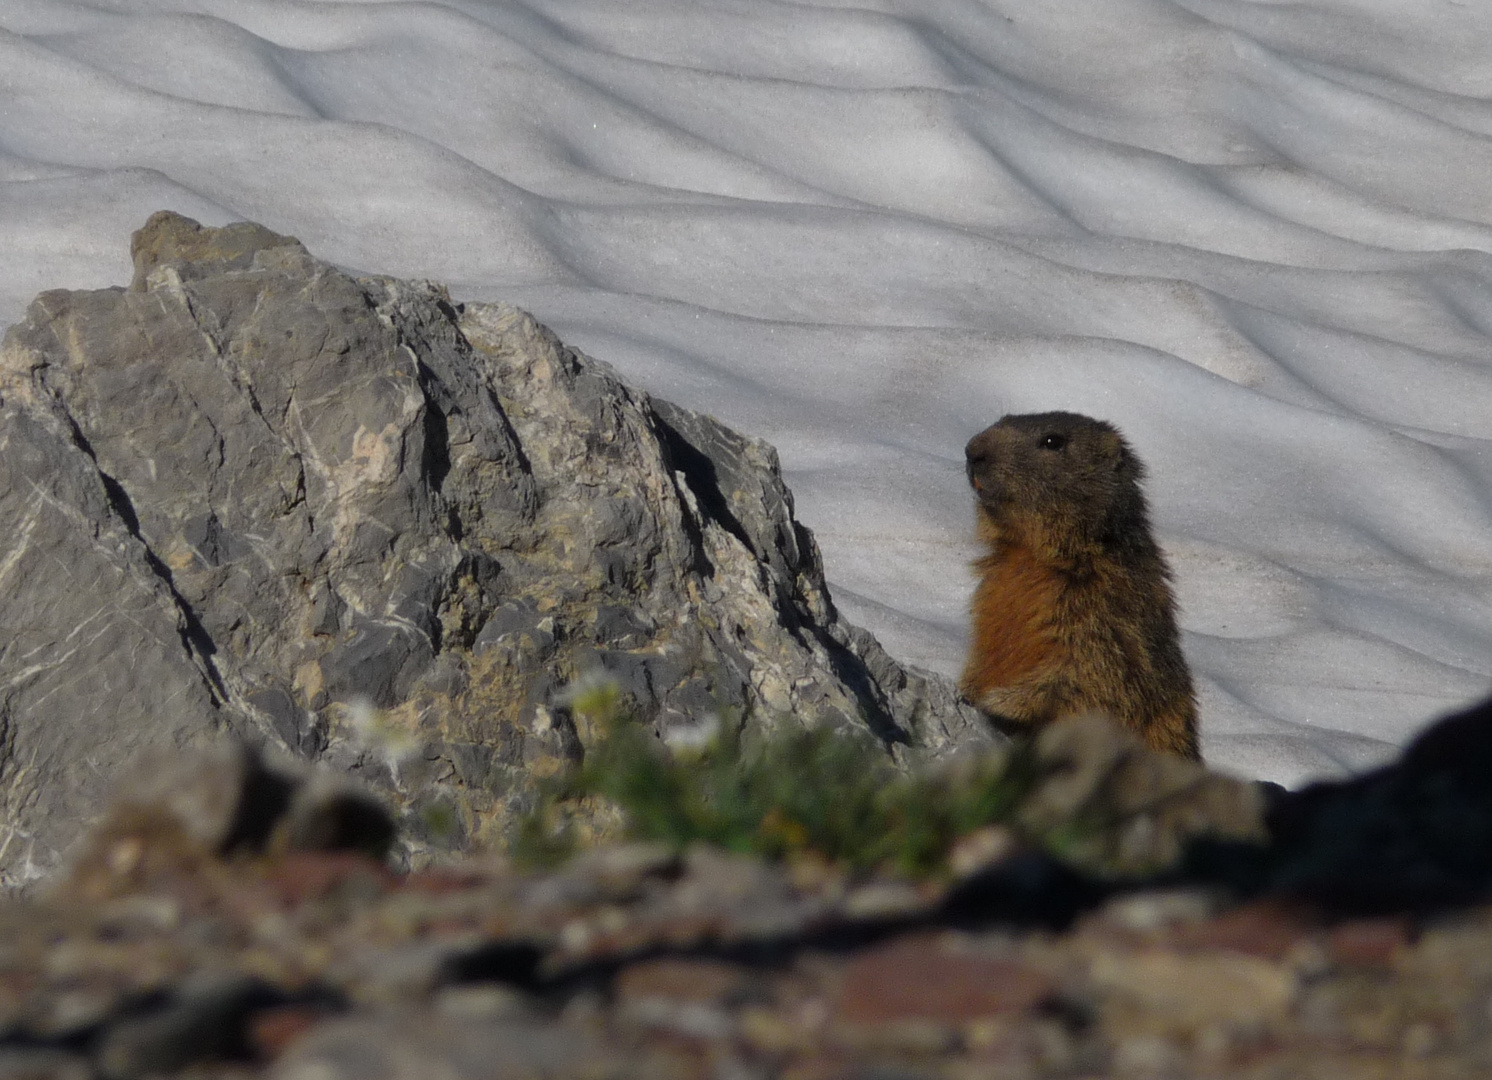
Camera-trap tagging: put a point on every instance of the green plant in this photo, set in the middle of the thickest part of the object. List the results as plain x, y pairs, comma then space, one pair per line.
817, 791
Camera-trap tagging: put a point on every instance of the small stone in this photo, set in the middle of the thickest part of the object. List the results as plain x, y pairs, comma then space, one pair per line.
883, 900
383, 974
203, 1020
328, 813
692, 1019
823, 1066
75, 1011
133, 914
1368, 942
43, 1064
482, 1002
1264, 928
302, 876
685, 996
1420, 1041
772, 1032
680, 980
980, 849
1214, 1043
1150, 1057
1188, 991
272, 1031
918, 1035
1160, 908
916, 979
987, 1033
415, 1043
618, 870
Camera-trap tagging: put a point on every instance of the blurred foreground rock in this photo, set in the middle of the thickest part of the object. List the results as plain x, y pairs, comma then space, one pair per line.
1415, 835
250, 493
1127, 810
199, 934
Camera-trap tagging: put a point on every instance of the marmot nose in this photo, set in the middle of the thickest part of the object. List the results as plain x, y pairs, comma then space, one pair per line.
976, 466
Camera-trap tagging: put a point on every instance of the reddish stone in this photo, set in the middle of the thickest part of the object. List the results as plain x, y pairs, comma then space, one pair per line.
271, 1031
309, 875
442, 880
682, 932
1266, 928
916, 979
679, 980
1368, 942
446, 927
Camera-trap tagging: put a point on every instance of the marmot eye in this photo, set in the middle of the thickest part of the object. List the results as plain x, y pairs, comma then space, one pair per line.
1052, 441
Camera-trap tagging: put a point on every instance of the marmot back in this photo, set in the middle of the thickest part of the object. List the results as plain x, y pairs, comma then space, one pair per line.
1074, 610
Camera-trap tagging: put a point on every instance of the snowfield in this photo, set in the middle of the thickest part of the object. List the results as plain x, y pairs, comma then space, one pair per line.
1255, 235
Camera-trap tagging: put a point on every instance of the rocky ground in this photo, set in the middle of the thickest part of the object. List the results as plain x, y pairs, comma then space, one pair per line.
231, 918
637, 964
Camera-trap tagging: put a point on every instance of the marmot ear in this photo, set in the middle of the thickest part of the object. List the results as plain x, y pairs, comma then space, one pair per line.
1121, 459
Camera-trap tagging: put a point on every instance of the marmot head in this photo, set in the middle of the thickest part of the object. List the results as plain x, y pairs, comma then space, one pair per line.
1058, 479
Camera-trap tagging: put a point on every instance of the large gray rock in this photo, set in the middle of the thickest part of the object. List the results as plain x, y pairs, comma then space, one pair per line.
250, 492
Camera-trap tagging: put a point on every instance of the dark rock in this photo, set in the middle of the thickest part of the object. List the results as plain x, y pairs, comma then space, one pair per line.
185, 810
327, 813
224, 797
251, 493
203, 1020
1415, 835
39, 1064
1028, 888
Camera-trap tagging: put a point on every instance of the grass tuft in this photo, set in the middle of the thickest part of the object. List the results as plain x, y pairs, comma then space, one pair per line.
830, 794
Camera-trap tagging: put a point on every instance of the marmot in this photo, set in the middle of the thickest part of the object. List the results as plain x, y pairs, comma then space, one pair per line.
1074, 610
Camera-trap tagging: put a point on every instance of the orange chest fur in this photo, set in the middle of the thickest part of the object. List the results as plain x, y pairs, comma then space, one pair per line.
1012, 619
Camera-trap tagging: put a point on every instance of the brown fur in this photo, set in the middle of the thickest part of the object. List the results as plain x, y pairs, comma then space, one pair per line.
1074, 610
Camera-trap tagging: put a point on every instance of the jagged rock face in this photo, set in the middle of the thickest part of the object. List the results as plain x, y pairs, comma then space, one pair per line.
249, 491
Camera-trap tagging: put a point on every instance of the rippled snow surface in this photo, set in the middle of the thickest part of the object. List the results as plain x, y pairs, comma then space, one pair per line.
1253, 234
